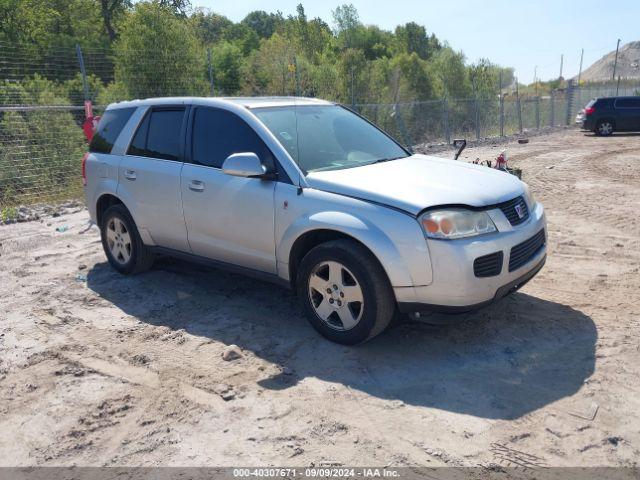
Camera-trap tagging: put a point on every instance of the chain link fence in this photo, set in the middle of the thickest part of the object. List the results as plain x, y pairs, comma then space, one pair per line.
42, 96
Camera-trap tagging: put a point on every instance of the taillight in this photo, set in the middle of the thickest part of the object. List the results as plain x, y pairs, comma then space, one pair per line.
84, 169
589, 110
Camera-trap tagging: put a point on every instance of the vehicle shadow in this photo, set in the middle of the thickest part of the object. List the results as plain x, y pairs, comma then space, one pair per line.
613, 135
501, 363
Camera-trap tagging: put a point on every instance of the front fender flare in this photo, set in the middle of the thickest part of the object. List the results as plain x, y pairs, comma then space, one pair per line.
360, 229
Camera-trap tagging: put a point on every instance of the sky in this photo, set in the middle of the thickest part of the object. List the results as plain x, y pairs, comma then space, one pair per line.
519, 33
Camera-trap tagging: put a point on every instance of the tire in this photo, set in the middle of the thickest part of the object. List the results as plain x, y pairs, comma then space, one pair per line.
122, 243
604, 128
352, 321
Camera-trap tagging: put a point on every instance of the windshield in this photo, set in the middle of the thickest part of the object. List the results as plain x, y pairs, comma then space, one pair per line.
328, 137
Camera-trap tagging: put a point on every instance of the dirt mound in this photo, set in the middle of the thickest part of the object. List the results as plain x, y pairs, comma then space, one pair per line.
628, 64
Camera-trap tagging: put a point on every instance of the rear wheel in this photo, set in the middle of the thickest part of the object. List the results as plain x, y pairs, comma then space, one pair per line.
122, 243
345, 292
604, 128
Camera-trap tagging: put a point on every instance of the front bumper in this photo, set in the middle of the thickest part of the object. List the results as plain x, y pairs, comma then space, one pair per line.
455, 288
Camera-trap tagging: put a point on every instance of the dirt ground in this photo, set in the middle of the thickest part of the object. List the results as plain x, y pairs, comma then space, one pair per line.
101, 369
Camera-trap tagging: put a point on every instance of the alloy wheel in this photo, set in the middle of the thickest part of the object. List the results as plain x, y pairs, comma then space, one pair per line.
119, 241
605, 128
335, 295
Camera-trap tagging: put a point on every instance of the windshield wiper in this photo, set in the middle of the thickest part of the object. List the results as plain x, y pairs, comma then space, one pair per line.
388, 159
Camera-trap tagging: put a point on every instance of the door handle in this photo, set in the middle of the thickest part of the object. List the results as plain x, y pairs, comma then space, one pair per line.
130, 174
196, 185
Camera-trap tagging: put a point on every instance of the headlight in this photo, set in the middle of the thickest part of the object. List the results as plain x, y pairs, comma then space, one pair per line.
456, 223
531, 201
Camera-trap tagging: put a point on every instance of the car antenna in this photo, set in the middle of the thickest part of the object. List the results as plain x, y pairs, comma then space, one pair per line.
460, 144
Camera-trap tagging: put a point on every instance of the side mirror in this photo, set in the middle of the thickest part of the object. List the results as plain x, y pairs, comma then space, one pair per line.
246, 164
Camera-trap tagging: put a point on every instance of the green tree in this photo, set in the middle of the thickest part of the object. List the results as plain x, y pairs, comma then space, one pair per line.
157, 54
227, 64
347, 21
449, 70
110, 11
209, 27
413, 38
263, 23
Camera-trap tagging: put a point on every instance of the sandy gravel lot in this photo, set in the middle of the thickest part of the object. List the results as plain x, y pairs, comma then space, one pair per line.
101, 369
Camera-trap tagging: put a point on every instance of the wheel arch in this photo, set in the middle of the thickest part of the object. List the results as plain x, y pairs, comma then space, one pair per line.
105, 201
319, 228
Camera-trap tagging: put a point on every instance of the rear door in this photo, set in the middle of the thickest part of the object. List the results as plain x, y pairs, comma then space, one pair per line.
101, 167
628, 113
229, 219
149, 177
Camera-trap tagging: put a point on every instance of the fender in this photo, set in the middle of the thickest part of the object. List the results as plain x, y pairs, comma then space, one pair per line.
371, 236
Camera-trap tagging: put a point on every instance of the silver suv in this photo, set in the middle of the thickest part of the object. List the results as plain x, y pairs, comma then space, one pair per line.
310, 195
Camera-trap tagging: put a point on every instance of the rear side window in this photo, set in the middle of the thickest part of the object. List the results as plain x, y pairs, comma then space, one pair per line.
158, 136
110, 126
219, 133
603, 103
628, 103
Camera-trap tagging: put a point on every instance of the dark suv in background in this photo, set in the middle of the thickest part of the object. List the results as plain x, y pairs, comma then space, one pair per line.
606, 115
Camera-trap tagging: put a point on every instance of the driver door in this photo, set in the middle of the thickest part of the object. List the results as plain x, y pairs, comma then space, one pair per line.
228, 219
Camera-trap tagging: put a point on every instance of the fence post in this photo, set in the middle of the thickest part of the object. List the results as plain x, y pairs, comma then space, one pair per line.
477, 119
83, 72
297, 77
518, 107
501, 115
569, 92
445, 119
552, 113
211, 86
537, 113
353, 97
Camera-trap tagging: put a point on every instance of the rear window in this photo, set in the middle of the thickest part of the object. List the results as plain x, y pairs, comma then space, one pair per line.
603, 103
159, 135
628, 102
110, 126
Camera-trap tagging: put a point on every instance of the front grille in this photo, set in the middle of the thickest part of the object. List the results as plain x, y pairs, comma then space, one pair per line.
488, 265
510, 210
522, 253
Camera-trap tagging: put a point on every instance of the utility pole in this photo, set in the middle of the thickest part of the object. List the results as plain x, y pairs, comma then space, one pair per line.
615, 63
561, 62
535, 78
580, 71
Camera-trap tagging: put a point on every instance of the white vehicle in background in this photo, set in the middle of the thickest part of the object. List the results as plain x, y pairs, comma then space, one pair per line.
580, 117
312, 196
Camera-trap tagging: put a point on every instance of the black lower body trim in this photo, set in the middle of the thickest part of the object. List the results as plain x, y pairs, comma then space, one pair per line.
412, 307
249, 272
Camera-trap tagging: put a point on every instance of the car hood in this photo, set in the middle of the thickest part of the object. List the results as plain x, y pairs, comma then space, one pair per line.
419, 181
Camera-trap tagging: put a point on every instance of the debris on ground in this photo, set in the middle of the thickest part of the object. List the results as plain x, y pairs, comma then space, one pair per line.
232, 352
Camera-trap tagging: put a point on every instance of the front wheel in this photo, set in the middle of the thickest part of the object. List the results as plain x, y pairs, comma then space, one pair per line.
604, 128
345, 292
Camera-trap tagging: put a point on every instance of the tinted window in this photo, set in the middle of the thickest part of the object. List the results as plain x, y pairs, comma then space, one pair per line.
628, 103
139, 143
219, 133
604, 103
110, 126
158, 136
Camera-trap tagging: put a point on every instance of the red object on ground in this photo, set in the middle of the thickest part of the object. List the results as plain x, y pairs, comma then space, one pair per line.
501, 161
